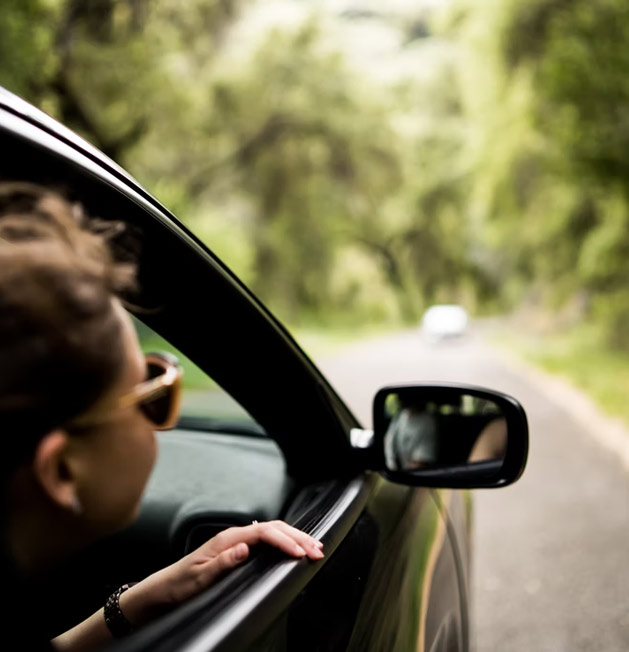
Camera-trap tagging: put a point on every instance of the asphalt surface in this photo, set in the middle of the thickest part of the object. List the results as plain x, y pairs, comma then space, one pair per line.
551, 570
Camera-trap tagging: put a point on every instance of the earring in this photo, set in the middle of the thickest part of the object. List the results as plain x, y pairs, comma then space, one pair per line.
75, 506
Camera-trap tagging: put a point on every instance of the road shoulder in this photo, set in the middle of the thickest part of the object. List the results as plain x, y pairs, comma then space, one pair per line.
610, 432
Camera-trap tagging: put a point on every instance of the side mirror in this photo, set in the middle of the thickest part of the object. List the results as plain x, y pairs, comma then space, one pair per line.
449, 436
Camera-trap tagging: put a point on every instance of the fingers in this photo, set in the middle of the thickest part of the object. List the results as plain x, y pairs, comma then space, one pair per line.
278, 534
290, 540
210, 571
224, 552
274, 536
239, 553
310, 545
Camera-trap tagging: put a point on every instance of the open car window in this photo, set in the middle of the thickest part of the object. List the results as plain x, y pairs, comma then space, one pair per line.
205, 405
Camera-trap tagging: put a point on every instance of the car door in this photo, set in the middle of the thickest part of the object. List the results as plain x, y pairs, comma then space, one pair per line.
395, 572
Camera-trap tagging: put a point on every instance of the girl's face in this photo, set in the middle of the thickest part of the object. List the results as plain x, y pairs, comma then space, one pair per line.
119, 452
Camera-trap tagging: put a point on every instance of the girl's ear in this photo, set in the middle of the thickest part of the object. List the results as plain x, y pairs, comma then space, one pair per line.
53, 468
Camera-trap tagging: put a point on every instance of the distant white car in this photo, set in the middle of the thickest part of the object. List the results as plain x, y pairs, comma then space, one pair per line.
444, 321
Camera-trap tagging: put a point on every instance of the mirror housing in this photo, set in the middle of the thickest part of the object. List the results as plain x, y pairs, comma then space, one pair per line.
449, 436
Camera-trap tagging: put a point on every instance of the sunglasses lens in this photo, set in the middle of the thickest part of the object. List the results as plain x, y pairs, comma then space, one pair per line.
157, 408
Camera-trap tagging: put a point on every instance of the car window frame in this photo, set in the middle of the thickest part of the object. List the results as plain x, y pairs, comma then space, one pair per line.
51, 157
314, 434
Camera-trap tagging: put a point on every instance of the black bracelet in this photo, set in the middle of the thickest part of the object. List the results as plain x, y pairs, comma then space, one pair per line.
118, 625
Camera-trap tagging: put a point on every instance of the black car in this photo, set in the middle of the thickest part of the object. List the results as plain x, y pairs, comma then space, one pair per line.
269, 438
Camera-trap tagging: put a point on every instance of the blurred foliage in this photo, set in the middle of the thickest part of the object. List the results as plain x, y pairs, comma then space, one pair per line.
493, 172
547, 100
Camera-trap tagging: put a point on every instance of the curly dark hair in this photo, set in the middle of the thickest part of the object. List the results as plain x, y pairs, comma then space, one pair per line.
60, 338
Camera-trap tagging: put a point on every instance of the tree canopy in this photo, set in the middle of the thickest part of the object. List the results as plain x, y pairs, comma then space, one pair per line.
490, 169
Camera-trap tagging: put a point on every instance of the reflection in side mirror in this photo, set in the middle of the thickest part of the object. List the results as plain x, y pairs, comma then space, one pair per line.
422, 433
450, 436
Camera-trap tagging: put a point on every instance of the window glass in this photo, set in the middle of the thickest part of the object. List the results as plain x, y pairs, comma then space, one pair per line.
205, 404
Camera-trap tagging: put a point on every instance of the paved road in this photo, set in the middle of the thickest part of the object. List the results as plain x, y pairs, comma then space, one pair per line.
552, 551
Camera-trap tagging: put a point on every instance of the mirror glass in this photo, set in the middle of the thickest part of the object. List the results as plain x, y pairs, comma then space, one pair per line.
425, 429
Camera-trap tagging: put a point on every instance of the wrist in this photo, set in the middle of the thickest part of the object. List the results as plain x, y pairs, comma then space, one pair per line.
140, 604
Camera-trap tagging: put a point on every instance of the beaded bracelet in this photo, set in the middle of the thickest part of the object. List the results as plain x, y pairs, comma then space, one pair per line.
115, 620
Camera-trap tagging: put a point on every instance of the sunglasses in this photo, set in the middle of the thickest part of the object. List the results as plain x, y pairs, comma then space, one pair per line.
158, 397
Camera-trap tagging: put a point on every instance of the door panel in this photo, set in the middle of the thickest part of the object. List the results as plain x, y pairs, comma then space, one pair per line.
390, 585
413, 595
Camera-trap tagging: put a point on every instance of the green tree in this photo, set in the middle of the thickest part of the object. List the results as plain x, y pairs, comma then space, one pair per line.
312, 163
548, 103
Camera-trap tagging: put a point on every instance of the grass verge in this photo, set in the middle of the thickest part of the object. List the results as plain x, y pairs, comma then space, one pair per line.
580, 358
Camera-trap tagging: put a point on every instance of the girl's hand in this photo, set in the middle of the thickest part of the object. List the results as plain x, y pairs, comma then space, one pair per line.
198, 570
